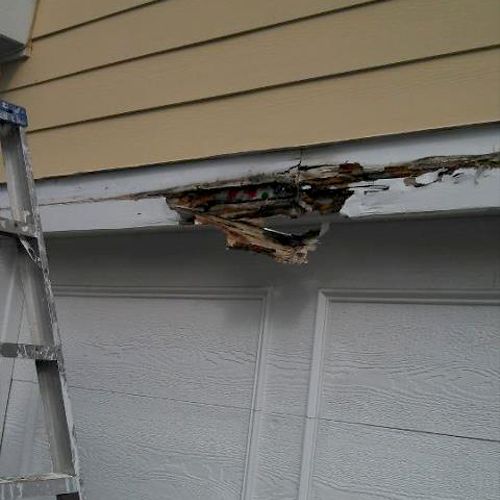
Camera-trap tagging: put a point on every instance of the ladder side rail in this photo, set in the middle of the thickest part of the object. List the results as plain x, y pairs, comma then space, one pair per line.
39, 301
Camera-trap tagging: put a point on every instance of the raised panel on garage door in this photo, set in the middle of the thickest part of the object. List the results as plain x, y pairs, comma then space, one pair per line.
164, 395
408, 387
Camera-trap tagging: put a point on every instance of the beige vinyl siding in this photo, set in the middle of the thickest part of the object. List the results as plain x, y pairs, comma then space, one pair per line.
184, 79
56, 15
156, 27
262, 59
445, 92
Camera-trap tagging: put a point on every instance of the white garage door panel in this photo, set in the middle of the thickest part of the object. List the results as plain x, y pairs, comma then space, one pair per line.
196, 348
189, 451
426, 367
357, 462
170, 385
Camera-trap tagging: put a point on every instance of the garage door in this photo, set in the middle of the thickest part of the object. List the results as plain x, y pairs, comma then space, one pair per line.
199, 373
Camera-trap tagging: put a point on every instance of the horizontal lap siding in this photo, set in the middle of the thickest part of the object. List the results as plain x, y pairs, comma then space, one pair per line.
156, 27
182, 79
289, 53
389, 101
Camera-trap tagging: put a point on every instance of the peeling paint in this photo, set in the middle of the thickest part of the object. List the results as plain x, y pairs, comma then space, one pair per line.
238, 207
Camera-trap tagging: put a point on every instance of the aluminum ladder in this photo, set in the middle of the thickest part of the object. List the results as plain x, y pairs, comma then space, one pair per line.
64, 483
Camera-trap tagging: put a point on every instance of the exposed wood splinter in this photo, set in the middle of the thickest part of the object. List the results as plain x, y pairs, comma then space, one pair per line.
282, 247
236, 207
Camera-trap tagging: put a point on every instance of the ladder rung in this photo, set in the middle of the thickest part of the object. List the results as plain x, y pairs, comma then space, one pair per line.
16, 228
14, 488
29, 351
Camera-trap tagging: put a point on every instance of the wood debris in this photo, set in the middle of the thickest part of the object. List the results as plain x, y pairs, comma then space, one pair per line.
245, 235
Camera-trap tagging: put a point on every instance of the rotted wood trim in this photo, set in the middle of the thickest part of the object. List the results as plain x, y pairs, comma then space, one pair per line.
238, 207
134, 199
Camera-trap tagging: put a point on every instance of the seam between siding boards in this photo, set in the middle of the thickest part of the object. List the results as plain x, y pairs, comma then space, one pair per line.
146, 396
414, 431
274, 412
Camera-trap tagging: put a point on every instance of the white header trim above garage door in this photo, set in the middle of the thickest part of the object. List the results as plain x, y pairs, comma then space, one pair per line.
129, 199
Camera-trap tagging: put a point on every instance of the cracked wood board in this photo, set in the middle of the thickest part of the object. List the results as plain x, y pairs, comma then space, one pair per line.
238, 207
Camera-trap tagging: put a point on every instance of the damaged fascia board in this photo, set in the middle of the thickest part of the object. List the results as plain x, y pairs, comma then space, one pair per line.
466, 190
326, 188
239, 207
115, 184
122, 199
131, 198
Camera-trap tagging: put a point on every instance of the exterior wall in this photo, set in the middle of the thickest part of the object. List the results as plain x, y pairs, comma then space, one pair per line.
121, 83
